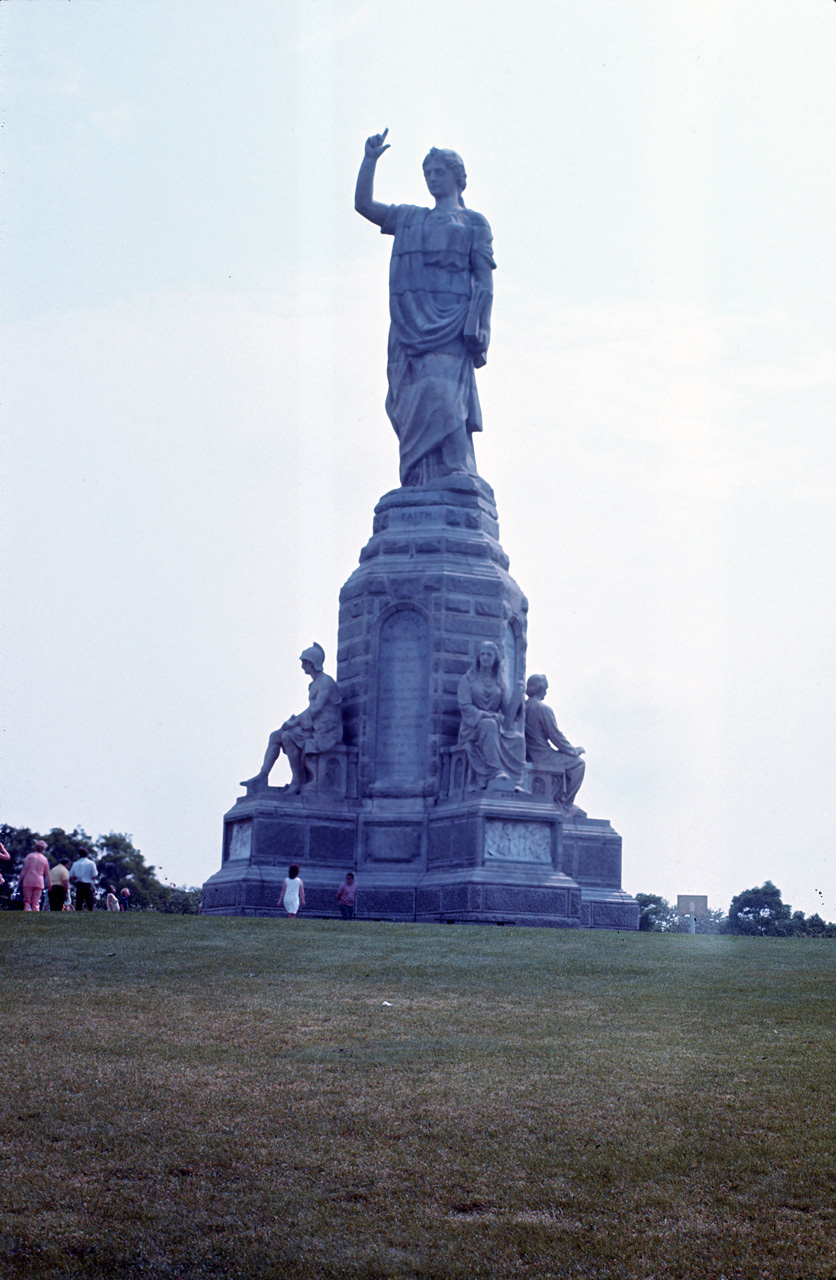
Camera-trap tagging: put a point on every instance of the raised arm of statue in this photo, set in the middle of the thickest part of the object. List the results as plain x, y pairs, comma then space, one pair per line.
364, 201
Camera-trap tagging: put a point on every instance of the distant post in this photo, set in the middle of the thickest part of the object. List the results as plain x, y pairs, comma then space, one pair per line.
689, 904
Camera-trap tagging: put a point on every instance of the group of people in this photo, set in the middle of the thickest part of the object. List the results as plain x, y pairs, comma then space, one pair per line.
61, 881
292, 896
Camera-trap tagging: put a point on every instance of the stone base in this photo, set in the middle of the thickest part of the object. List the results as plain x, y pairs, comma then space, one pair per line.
487, 859
393, 804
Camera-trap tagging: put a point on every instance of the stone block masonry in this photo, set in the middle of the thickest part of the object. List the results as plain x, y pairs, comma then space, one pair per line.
431, 585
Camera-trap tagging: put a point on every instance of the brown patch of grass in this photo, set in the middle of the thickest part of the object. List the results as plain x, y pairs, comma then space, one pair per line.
230, 1098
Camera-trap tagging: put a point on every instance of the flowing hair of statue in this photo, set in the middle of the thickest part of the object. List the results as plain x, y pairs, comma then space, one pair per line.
454, 162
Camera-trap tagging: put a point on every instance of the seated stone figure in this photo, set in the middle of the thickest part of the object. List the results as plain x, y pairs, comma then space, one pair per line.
318, 728
561, 759
490, 731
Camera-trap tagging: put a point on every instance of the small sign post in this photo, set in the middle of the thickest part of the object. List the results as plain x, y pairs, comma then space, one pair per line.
690, 904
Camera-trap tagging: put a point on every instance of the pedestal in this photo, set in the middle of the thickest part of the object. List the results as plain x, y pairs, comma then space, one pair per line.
394, 804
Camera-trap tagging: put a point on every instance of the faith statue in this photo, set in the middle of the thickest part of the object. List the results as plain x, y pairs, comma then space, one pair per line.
440, 294
491, 725
318, 728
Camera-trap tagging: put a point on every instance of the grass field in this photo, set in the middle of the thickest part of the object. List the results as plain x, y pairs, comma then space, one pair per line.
201, 1097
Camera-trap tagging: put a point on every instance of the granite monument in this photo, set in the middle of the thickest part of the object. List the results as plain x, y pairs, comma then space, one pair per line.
422, 769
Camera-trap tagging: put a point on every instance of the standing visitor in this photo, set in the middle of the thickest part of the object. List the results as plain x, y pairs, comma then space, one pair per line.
59, 885
112, 900
125, 899
346, 896
34, 876
84, 874
5, 856
293, 892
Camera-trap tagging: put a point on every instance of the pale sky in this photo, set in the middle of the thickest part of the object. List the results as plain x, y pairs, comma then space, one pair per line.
194, 435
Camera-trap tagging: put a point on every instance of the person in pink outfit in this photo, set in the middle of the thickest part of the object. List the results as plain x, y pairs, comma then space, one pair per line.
5, 855
34, 876
346, 897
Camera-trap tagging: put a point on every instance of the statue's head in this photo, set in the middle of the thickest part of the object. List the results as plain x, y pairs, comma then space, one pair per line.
451, 160
536, 687
487, 657
314, 656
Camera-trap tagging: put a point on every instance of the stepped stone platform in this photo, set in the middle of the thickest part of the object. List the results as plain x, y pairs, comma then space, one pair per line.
394, 802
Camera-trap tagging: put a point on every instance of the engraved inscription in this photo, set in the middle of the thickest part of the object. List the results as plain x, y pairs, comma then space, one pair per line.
517, 841
403, 679
395, 843
240, 841
414, 515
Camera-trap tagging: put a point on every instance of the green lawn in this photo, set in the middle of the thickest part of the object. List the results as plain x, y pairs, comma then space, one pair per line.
247, 1098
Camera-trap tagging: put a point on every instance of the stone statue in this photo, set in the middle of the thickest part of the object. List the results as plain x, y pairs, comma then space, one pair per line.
562, 759
491, 729
440, 294
318, 728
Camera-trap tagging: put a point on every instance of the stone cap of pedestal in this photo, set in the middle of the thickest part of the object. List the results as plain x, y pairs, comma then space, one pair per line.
271, 802
491, 873
440, 520
454, 491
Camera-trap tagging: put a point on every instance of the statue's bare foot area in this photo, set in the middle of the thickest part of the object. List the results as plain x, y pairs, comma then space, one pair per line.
253, 784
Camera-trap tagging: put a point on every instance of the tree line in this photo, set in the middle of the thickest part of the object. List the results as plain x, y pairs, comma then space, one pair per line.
118, 861
757, 912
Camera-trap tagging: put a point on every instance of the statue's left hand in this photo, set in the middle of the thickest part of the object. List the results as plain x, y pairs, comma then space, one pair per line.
376, 145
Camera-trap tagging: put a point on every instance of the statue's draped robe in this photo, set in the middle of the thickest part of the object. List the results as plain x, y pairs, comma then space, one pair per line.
432, 385
491, 748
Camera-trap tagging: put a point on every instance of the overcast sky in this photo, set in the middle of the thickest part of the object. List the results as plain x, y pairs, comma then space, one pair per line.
194, 435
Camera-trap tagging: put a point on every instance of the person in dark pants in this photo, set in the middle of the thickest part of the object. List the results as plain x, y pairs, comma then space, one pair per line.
84, 875
59, 885
346, 897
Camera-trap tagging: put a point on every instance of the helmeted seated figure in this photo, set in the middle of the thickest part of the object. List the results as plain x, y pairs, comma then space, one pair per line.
561, 759
318, 728
490, 730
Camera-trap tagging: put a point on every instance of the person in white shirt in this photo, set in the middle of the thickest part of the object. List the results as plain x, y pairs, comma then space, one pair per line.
84, 875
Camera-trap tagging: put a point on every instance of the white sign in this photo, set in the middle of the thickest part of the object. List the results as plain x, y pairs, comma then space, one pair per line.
690, 904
